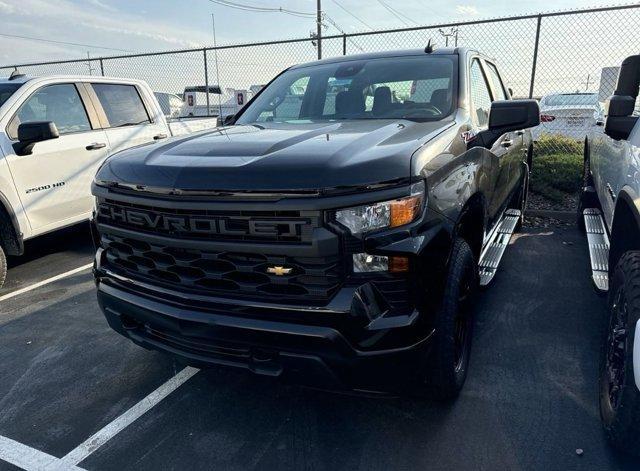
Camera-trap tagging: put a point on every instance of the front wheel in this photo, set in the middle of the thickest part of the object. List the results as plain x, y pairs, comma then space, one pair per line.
619, 395
449, 360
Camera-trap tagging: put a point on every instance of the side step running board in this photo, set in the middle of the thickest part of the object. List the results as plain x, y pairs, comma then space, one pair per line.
494, 250
598, 247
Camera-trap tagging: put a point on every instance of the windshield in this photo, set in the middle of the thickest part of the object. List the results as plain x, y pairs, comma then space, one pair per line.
411, 87
572, 100
6, 90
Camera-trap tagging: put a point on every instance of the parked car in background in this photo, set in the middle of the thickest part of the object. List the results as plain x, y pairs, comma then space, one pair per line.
610, 208
571, 115
171, 104
326, 234
55, 132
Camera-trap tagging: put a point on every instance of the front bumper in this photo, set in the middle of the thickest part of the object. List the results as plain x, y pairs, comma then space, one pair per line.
370, 330
316, 355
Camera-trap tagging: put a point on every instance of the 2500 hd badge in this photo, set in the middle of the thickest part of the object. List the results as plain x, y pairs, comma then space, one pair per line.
44, 187
358, 269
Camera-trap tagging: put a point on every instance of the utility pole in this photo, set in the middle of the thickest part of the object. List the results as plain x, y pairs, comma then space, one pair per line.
319, 28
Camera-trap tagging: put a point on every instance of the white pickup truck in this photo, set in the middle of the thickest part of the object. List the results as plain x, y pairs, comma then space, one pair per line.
610, 207
55, 132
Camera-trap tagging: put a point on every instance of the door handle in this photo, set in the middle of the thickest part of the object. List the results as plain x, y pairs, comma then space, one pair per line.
96, 146
157, 137
520, 133
506, 143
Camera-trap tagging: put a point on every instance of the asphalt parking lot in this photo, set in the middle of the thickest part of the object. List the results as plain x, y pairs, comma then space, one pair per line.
72, 389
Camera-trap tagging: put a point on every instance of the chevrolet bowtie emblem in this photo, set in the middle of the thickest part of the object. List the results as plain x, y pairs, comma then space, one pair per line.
279, 271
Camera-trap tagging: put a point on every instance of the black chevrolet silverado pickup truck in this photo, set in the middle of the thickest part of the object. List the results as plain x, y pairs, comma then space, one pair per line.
333, 231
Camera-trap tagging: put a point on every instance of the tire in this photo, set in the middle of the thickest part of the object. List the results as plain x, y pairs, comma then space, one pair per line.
448, 363
619, 395
3, 266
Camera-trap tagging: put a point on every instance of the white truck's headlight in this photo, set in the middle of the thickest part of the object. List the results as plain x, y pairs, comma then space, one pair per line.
386, 214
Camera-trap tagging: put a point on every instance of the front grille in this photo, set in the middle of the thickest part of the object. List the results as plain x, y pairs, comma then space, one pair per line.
206, 224
227, 274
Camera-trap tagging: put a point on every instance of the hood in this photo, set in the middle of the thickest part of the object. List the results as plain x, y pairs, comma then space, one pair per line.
276, 157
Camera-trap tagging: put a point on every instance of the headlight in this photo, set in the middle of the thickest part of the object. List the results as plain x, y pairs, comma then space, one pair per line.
387, 214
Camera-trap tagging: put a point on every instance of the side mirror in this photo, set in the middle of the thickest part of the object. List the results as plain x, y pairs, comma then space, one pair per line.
507, 116
510, 92
228, 120
620, 120
30, 133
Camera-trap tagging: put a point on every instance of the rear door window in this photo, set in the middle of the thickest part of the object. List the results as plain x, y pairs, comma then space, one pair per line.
498, 86
122, 104
59, 103
480, 96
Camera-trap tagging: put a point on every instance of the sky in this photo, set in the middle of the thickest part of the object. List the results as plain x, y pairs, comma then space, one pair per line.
108, 27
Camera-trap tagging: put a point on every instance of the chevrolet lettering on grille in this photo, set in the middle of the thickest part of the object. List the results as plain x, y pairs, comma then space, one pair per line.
211, 225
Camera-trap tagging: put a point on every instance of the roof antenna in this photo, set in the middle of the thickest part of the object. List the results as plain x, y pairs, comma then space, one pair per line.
429, 48
15, 75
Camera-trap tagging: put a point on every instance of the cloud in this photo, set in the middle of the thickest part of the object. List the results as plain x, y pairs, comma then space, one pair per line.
155, 36
6, 8
100, 24
101, 4
467, 10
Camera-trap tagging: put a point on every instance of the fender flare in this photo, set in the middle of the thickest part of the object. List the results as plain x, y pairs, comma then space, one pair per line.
619, 243
629, 196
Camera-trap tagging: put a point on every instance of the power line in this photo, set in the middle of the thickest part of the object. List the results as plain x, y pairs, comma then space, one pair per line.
411, 20
335, 25
259, 9
352, 14
397, 14
93, 46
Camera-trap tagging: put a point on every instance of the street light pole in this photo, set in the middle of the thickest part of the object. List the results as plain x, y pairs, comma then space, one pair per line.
319, 28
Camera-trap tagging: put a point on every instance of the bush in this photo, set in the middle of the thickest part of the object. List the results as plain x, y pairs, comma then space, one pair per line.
553, 144
555, 175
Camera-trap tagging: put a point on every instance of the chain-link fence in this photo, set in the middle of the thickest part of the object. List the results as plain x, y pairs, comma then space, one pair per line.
569, 60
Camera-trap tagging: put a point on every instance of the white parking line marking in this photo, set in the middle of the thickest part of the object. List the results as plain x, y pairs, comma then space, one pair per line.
99, 438
30, 459
45, 282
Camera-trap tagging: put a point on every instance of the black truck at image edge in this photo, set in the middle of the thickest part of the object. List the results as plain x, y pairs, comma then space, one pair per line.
334, 231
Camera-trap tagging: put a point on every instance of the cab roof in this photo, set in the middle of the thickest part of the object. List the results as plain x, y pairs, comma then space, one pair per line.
444, 51
22, 79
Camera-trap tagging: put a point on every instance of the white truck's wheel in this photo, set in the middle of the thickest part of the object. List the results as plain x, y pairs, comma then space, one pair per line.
619, 394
